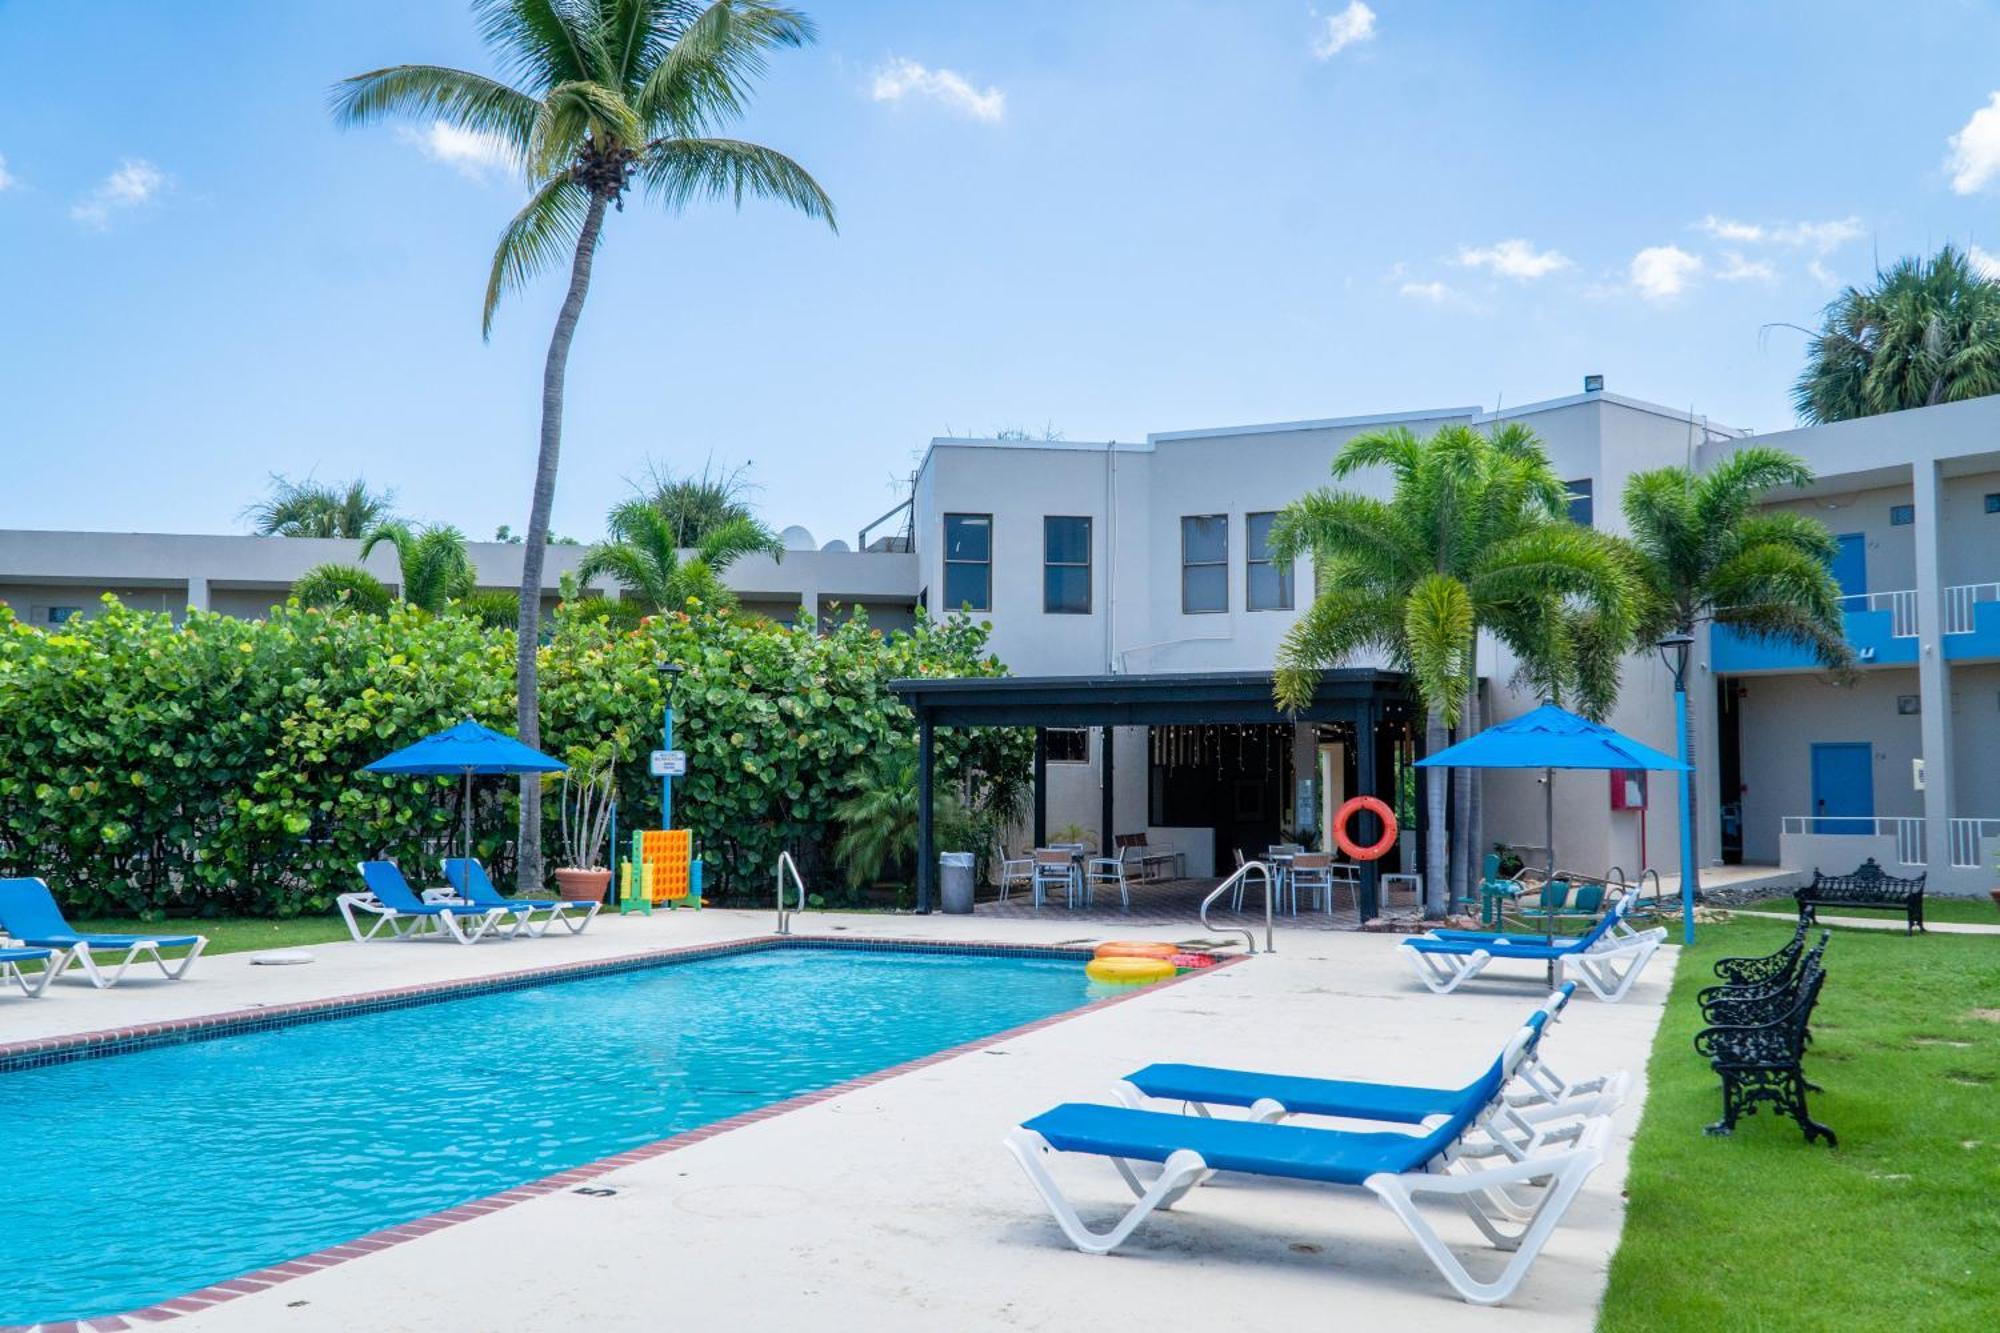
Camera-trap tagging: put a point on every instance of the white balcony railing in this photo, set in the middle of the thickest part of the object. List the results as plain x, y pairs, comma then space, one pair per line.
1960, 598
1967, 836
1901, 606
1908, 833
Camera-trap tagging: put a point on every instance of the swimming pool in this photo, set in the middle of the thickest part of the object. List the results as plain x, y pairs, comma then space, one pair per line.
143, 1175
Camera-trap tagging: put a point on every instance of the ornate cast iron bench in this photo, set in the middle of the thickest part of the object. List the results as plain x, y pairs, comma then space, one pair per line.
1868, 886
1755, 971
1762, 1061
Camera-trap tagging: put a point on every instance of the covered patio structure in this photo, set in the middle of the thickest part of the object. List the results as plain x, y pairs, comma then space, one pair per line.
1370, 710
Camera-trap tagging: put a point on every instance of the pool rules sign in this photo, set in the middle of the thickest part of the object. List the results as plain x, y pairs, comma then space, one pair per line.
667, 763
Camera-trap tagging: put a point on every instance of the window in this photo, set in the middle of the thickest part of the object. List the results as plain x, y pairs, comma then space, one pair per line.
1268, 586
1901, 516
1993, 502
1581, 504
1066, 566
62, 614
968, 562
1067, 745
1204, 564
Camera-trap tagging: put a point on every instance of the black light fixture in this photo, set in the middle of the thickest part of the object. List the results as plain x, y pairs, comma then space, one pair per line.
1674, 649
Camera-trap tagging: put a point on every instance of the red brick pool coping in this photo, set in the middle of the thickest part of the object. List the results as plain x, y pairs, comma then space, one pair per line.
262, 1279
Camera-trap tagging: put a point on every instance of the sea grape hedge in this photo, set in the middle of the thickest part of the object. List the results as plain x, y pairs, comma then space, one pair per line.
148, 768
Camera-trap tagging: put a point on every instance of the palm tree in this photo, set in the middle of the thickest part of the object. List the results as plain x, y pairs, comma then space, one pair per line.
1473, 537
698, 503
609, 94
435, 566
319, 509
1927, 332
644, 558
1705, 552
879, 821
334, 585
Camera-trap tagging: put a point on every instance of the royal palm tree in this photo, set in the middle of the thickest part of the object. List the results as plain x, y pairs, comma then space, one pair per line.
608, 96
319, 509
1927, 332
644, 557
435, 572
1705, 552
1474, 536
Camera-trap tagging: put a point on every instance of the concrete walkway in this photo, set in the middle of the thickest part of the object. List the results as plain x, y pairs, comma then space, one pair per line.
894, 1207
1878, 923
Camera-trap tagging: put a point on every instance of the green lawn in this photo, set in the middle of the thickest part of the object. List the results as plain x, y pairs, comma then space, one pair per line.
231, 934
1977, 910
1896, 1229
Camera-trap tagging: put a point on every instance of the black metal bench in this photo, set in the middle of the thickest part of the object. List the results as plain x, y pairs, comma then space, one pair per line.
1762, 1062
1762, 1001
1769, 967
1869, 886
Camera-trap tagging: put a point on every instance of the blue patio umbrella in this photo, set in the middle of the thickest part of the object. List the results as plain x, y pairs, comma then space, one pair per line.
472, 751
1548, 739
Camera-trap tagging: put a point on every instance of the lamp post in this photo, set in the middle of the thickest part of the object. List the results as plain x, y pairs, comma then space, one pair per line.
1674, 650
669, 672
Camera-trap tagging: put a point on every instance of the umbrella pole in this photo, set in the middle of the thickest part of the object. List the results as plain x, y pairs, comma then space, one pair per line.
468, 825
1549, 816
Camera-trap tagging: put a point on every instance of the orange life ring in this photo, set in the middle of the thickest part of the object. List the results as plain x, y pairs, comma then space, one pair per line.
1375, 850
1134, 949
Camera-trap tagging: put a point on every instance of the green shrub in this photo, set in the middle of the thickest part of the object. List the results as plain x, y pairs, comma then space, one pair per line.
213, 767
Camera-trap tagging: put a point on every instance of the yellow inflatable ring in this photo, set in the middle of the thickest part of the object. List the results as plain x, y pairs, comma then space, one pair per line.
1134, 949
1128, 971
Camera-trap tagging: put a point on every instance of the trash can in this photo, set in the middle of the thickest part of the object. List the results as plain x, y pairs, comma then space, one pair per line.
955, 882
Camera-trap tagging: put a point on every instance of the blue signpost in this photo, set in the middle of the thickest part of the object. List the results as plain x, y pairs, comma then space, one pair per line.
669, 672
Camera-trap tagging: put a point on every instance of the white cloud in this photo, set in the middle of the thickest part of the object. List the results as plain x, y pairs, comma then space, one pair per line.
902, 78
1663, 272
1974, 159
1984, 262
1735, 268
1727, 229
1514, 259
6, 181
136, 182
1821, 274
1337, 32
1820, 236
1434, 292
472, 154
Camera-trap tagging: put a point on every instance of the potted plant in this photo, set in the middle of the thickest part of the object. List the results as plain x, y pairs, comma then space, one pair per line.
585, 808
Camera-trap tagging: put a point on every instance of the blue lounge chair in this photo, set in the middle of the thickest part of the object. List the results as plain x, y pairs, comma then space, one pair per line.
1396, 1168
1608, 959
32, 984
393, 903
29, 915
1539, 1106
473, 885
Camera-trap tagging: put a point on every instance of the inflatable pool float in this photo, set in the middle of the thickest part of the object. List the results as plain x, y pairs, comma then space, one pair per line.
1134, 949
1193, 960
1129, 971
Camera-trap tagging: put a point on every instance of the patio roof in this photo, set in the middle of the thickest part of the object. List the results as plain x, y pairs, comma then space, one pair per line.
1164, 699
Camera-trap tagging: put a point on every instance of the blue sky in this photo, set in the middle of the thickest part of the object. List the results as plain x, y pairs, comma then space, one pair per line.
1114, 217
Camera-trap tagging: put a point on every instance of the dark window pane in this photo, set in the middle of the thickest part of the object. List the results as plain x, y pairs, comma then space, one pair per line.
1205, 539
1205, 588
1066, 541
1580, 503
1066, 588
1067, 745
967, 585
1993, 502
1902, 516
1257, 535
968, 537
1270, 586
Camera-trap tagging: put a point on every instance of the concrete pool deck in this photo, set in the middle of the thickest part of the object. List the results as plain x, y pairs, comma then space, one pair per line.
891, 1205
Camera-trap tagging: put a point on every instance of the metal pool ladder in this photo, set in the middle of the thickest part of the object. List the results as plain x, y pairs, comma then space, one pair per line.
786, 863
1249, 939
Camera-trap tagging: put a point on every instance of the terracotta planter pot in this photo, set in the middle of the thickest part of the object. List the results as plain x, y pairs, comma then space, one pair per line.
583, 886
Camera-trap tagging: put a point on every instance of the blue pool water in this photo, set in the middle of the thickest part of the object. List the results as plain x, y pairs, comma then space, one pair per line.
138, 1177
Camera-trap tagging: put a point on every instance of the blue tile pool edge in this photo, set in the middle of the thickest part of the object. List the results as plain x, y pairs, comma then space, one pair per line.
261, 1279
35, 1053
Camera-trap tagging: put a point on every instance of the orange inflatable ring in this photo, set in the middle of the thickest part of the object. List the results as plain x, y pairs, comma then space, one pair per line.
1133, 949
1376, 849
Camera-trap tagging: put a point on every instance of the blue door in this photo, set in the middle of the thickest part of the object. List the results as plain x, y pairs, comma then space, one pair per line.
1850, 566
1843, 787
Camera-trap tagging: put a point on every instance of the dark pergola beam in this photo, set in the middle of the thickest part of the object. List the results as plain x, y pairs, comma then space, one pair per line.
1108, 798
1041, 787
926, 850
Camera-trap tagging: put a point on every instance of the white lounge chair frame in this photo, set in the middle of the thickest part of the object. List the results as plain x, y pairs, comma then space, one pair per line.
32, 984
1564, 1171
534, 922
484, 921
104, 976
1607, 969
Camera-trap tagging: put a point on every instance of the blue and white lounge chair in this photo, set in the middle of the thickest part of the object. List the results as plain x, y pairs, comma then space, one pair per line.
1396, 1168
1538, 1106
470, 883
394, 904
32, 984
1608, 959
29, 915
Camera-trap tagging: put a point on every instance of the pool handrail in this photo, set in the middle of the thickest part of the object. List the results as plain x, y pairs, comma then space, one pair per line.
1249, 939
785, 862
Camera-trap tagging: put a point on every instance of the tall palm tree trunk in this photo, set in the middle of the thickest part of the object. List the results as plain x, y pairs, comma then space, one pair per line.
528, 874
1435, 863
1464, 846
